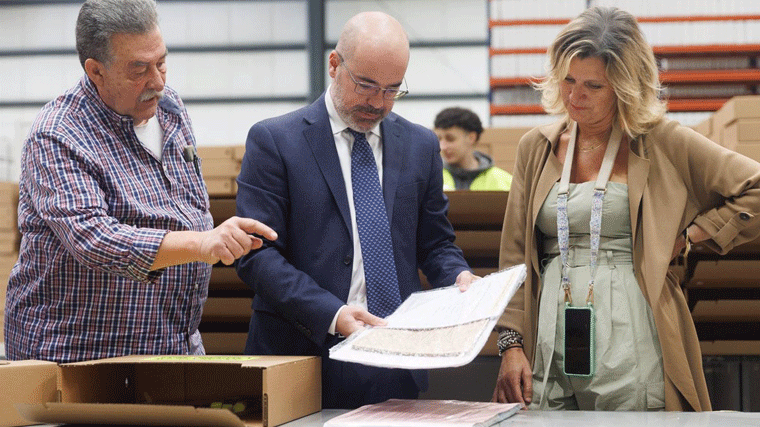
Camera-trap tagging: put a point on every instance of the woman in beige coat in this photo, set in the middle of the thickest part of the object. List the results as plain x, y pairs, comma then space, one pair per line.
667, 185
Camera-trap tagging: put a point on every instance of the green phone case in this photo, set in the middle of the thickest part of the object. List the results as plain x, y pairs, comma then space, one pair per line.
592, 341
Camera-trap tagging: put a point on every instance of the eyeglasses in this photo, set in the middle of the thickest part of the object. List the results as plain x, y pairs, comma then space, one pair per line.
368, 89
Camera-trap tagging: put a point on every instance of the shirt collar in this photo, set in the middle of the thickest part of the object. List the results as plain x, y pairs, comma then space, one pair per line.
92, 93
336, 123
89, 88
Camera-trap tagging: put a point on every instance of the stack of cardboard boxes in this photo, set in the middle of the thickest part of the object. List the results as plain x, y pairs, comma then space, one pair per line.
501, 145
221, 166
227, 312
724, 290
9, 241
736, 126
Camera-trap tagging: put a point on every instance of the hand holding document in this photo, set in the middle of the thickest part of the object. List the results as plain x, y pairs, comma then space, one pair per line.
439, 328
426, 413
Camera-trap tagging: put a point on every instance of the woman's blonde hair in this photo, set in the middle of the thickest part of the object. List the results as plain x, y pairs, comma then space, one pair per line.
613, 36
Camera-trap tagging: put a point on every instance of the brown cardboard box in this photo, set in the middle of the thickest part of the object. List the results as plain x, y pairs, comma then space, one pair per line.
8, 192
743, 130
725, 274
7, 262
225, 278
730, 348
217, 152
705, 127
220, 186
738, 107
503, 135
8, 216
222, 209
502, 145
238, 152
482, 210
727, 311
224, 342
9, 243
227, 310
750, 150
479, 243
228, 168
176, 390
28, 381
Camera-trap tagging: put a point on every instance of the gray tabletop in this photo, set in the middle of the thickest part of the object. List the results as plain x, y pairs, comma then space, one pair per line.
592, 419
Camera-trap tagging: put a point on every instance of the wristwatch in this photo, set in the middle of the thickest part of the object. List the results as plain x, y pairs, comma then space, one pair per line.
509, 338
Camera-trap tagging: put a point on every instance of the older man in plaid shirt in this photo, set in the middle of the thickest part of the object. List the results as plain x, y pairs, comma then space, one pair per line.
118, 240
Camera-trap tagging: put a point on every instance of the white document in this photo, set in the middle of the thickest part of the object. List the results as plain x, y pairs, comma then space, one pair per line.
426, 413
439, 328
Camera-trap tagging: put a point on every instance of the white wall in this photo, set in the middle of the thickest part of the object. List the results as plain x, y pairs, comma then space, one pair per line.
245, 73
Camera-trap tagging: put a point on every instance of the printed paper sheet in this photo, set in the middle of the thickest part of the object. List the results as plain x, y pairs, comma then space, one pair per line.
439, 328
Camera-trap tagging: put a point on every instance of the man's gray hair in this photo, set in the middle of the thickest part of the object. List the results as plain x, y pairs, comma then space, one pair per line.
100, 19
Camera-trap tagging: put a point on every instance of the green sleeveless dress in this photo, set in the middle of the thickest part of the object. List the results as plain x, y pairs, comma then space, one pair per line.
629, 372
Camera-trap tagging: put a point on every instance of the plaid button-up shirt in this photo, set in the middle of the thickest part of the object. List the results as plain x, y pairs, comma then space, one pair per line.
94, 206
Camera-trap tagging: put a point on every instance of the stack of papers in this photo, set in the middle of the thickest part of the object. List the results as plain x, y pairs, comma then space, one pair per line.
426, 413
439, 328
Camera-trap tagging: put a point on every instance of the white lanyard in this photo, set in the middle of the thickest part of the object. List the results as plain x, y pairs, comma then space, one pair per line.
563, 229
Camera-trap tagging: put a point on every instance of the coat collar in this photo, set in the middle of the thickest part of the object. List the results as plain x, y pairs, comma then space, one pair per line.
549, 174
638, 173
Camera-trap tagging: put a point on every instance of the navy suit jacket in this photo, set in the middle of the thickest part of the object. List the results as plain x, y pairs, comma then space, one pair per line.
291, 180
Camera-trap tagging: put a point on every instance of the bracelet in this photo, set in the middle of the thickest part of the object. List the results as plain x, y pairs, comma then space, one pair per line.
509, 338
687, 248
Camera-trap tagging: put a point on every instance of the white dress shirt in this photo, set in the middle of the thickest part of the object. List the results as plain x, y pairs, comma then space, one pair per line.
344, 141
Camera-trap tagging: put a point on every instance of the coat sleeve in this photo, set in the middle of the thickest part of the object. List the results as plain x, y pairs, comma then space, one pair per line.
514, 235
726, 189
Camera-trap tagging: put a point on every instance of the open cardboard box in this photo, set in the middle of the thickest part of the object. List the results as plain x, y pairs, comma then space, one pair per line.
167, 390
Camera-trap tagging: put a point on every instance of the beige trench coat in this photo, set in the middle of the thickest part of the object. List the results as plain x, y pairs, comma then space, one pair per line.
675, 177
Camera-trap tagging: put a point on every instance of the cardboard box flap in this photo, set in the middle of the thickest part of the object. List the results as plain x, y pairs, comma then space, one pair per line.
243, 361
162, 390
29, 381
287, 392
127, 414
291, 391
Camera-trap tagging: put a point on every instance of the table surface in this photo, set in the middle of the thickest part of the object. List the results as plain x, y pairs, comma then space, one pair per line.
592, 419
583, 419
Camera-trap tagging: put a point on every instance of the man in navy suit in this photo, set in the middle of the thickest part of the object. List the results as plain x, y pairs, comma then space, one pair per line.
296, 176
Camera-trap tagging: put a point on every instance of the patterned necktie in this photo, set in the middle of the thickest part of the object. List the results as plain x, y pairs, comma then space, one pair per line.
374, 232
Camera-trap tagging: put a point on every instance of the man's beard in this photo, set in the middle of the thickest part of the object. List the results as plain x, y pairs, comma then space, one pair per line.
348, 115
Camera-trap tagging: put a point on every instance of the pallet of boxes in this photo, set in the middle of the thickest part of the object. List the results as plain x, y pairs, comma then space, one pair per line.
227, 312
9, 241
724, 291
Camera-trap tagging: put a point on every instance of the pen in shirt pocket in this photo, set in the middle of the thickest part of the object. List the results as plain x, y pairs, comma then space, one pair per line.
191, 155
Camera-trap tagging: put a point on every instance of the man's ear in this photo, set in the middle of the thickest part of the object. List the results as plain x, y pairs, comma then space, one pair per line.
332, 63
94, 70
472, 138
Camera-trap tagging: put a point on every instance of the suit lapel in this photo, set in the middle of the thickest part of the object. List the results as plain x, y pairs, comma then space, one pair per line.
319, 136
393, 161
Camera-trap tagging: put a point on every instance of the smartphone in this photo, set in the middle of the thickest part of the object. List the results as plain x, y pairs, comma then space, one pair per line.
579, 341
